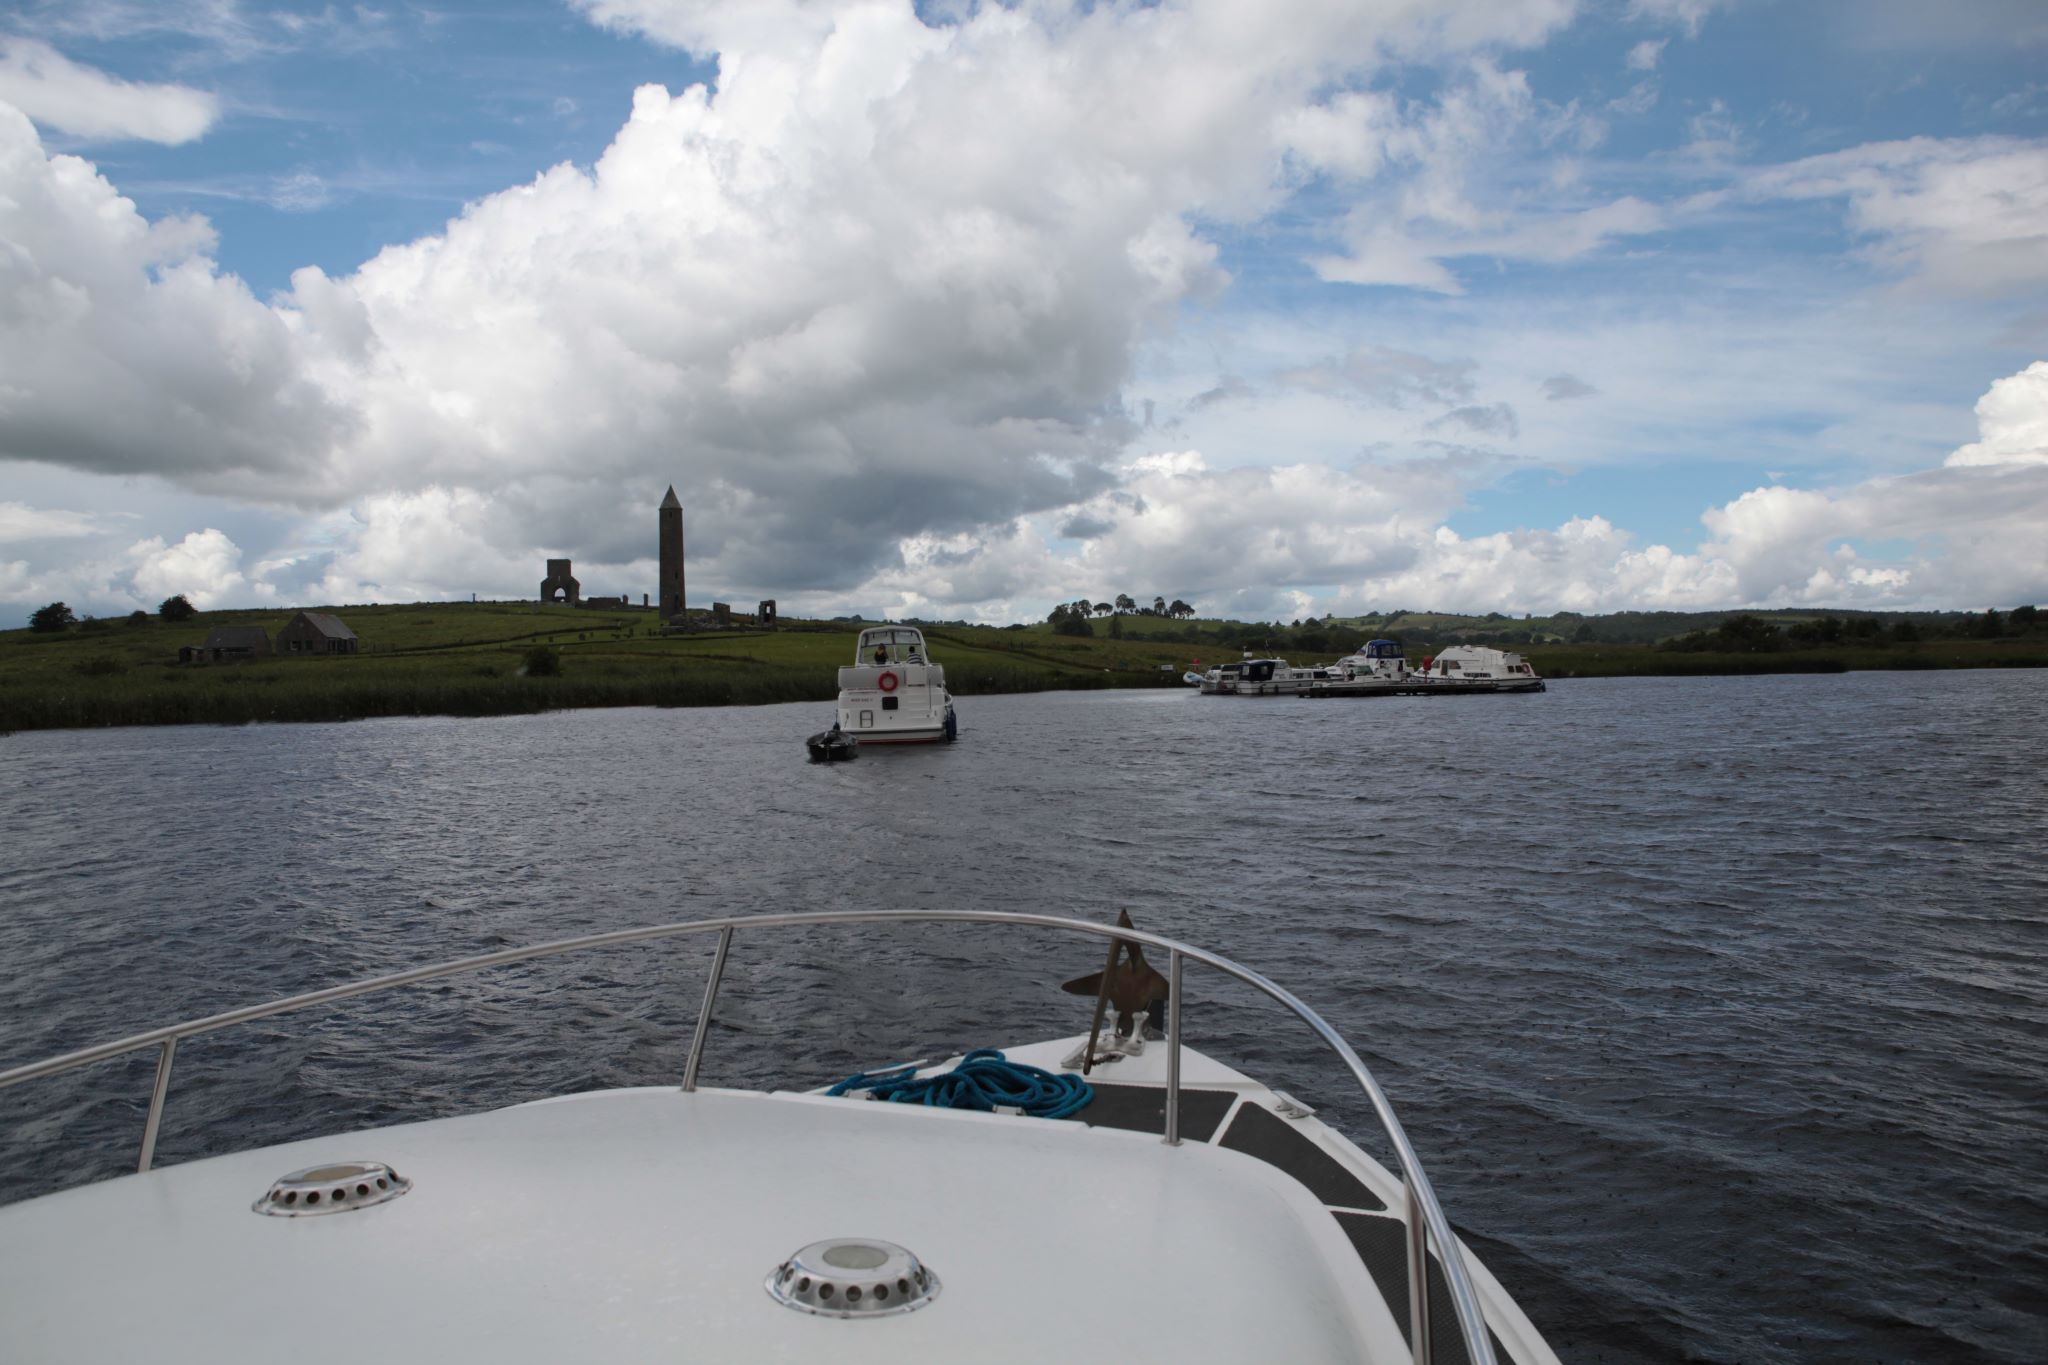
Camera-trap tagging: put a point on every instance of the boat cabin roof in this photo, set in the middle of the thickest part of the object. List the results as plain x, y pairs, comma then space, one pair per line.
641, 1225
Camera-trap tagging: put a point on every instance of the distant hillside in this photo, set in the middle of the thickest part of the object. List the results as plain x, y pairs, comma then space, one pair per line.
1422, 630
498, 658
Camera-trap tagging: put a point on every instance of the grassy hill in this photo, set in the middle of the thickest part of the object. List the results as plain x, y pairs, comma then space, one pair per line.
471, 659
464, 658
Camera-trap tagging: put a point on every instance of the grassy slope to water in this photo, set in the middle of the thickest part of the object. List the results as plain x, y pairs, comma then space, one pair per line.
464, 659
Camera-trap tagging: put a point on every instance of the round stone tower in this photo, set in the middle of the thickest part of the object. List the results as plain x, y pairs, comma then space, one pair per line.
671, 516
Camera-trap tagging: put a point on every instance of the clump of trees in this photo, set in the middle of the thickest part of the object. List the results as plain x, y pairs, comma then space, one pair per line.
175, 609
51, 619
541, 662
1071, 618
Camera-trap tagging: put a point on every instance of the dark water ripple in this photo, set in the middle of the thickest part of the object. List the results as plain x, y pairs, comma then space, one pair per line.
1717, 1007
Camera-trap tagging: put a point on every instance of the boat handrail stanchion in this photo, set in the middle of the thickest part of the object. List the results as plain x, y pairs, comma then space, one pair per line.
704, 1012
1418, 1279
1172, 1048
156, 1103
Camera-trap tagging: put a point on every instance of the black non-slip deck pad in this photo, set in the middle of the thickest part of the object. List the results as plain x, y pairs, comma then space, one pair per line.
1258, 1131
1142, 1109
1382, 1243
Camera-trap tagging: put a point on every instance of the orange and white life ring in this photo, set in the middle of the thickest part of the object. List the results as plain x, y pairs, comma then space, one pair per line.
887, 682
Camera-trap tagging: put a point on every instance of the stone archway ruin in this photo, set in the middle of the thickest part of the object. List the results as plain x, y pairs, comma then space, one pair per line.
560, 585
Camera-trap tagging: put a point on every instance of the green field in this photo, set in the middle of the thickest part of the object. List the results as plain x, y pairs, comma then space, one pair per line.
468, 659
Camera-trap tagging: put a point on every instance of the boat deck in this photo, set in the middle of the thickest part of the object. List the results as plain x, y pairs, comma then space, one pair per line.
641, 1225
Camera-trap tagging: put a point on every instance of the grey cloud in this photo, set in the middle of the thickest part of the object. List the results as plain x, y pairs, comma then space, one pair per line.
1492, 419
1391, 377
1228, 388
1086, 528
1560, 387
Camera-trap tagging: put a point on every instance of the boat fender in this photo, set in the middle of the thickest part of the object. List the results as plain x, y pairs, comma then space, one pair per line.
887, 682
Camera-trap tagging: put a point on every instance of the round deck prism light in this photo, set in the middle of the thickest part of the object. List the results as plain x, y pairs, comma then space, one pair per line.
853, 1277
335, 1188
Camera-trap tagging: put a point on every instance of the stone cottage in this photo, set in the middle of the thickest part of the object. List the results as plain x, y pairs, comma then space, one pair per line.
313, 632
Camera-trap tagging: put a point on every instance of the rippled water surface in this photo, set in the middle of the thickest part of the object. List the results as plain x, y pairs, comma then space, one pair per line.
1716, 1007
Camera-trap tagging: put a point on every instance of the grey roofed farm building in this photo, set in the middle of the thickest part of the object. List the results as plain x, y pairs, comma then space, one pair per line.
224, 644
313, 632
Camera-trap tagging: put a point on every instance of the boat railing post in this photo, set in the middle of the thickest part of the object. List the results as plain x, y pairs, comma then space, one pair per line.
1172, 1049
1418, 1279
704, 1013
156, 1104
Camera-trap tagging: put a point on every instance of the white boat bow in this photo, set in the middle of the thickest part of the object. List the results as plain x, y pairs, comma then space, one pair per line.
1190, 1213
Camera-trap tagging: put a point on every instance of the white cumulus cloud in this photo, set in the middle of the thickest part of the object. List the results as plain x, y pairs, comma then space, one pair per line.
19, 522
205, 566
2012, 422
1968, 215
61, 94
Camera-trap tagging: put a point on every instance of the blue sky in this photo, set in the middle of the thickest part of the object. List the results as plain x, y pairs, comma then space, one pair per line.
965, 310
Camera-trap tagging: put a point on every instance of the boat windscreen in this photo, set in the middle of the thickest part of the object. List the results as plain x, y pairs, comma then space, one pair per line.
890, 645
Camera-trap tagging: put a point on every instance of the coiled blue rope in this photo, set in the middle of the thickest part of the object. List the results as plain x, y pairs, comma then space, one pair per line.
983, 1080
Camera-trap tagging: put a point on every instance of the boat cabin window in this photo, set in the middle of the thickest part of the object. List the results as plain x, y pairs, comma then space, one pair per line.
890, 645
1261, 671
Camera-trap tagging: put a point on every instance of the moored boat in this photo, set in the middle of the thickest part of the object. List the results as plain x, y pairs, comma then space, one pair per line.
1381, 670
1375, 664
1183, 1211
1478, 668
893, 693
1259, 678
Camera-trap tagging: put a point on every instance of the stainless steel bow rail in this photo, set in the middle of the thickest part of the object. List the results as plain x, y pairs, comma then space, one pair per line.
1425, 1219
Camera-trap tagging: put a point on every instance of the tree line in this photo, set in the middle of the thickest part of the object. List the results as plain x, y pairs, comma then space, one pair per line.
1071, 618
1753, 635
59, 617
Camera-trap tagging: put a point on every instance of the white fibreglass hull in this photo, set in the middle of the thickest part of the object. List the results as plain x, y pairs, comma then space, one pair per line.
640, 1225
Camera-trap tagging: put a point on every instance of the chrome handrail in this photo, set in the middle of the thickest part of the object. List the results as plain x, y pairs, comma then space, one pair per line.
1431, 1224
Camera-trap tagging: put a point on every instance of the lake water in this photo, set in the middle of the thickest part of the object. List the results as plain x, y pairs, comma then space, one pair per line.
1715, 1007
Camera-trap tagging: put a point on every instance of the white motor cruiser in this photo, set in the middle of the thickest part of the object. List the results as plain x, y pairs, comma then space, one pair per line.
1260, 678
1377, 663
1477, 668
894, 693
1165, 1207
